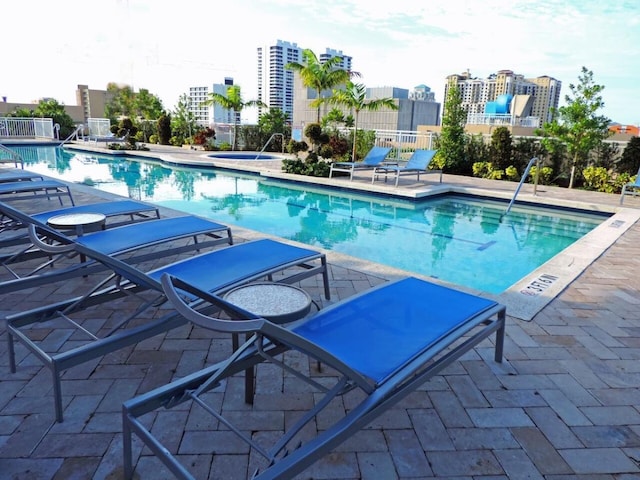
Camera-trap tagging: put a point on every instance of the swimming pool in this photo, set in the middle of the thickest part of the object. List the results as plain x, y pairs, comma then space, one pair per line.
458, 239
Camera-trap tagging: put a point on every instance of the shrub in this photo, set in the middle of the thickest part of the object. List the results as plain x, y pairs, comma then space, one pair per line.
512, 173
486, 170
311, 166
597, 178
544, 177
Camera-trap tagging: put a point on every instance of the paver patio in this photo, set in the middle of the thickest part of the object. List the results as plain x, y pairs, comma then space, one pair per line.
565, 403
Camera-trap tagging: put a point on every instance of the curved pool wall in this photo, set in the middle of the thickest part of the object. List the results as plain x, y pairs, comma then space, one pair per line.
243, 156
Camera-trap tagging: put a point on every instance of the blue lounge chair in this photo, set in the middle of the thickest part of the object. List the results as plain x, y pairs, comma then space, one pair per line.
374, 157
631, 188
417, 164
22, 190
20, 176
130, 209
132, 239
216, 271
384, 342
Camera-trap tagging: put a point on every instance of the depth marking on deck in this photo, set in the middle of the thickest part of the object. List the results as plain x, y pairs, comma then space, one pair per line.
539, 285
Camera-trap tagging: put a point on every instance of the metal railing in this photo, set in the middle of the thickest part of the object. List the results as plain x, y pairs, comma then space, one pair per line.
522, 180
281, 135
75, 134
14, 157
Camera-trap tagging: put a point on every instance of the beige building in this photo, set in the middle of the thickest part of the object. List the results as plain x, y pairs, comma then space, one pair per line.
92, 102
414, 109
532, 98
74, 111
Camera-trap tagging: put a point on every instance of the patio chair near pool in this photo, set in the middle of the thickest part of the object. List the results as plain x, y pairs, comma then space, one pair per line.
140, 242
631, 188
28, 190
216, 271
131, 210
111, 138
382, 343
418, 164
374, 157
19, 176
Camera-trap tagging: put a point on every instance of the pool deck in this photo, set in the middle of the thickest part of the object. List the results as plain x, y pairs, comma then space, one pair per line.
565, 403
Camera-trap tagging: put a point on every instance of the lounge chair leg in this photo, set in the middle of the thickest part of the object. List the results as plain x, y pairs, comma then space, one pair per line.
57, 393
12, 352
126, 446
499, 349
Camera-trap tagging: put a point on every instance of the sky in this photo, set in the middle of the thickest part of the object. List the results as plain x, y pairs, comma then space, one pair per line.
166, 47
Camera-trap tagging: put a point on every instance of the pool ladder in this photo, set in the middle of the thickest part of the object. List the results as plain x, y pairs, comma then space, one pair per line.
522, 180
268, 141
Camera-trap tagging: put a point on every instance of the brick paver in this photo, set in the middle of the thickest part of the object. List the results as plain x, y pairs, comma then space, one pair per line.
564, 404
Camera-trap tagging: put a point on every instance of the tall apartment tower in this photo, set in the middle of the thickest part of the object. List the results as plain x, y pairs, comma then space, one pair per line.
543, 92
276, 83
208, 115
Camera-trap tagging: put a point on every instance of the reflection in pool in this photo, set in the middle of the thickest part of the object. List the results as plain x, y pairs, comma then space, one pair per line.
458, 239
242, 156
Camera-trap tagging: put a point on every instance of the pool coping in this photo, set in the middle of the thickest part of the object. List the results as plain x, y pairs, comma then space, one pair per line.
524, 299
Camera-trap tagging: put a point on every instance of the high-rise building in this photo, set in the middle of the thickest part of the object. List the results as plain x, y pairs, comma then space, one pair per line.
276, 83
208, 115
534, 97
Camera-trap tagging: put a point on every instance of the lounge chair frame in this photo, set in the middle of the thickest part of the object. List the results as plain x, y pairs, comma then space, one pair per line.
270, 340
374, 157
294, 263
126, 239
418, 164
130, 209
28, 190
631, 188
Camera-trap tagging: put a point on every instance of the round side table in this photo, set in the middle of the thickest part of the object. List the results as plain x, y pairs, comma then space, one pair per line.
276, 302
80, 222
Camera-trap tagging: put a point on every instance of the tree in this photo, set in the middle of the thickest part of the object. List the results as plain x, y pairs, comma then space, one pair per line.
147, 106
232, 101
121, 103
124, 102
354, 97
500, 148
577, 124
54, 110
630, 159
183, 121
321, 76
164, 129
452, 137
274, 122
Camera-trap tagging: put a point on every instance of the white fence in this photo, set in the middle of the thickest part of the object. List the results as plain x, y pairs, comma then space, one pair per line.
17, 127
99, 127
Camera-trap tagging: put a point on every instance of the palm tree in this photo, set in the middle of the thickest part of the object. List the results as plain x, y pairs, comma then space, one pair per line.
232, 101
320, 76
354, 98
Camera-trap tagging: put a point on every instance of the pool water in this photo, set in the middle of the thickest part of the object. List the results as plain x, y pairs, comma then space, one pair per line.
461, 240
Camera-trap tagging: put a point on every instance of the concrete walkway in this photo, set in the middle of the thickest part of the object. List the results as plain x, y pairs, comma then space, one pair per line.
564, 404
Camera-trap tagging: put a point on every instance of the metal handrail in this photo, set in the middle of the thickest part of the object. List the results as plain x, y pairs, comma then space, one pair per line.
14, 155
73, 134
522, 180
265, 145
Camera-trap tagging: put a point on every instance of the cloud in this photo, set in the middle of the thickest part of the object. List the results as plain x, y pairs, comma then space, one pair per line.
169, 47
